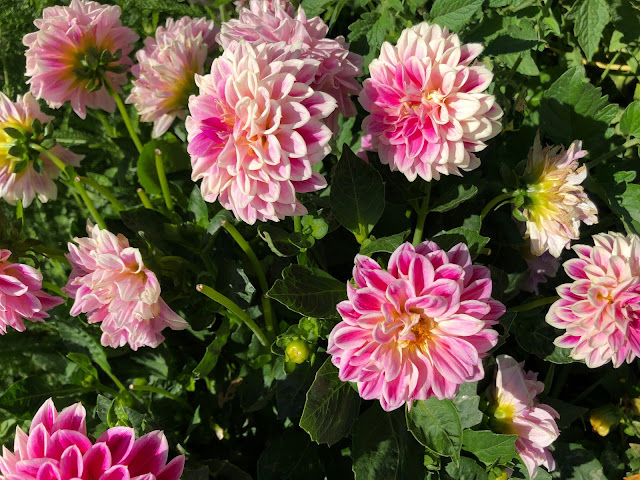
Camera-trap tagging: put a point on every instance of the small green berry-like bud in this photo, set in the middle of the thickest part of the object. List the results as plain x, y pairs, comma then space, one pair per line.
297, 351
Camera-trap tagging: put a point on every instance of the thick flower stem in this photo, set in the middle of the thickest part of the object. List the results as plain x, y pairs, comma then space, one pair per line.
422, 215
536, 303
144, 199
123, 112
104, 191
89, 203
493, 202
262, 279
235, 309
19, 210
164, 184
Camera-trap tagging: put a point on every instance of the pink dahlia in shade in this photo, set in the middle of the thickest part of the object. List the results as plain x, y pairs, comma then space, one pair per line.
21, 295
516, 411
28, 183
256, 130
57, 447
68, 38
600, 309
166, 69
540, 269
419, 328
110, 283
428, 113
555, 202
275, 21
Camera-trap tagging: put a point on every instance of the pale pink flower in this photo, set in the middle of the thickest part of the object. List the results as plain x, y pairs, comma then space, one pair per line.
256, 130
428, 112
21, 295
555, 202
540, 268
110, 283
28, 183
166, 69
600, 310
58, 447
274, 21
66, 36
419, 329
517, 412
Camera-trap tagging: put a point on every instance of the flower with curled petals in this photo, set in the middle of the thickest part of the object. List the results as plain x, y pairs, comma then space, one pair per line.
74, 49
273, 21
110, 283
166, 69
600, 309
21, 295
418, 329
57, 447
27, 184
256, 129
516, 411
428, 112
555, 202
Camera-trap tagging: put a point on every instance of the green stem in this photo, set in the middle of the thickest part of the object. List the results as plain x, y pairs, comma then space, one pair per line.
493, 202
606, 70
19, 210
144, 199
536, 303
103, 388
89, 203
235, 309
117, 204
561, 381
164, 184
613, 153
262, 279
56, 161
123, 112
159, 391
422, 216
590, 388
297, 224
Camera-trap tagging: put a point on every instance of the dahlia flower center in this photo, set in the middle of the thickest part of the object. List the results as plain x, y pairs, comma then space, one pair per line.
422, 331
420, 104
92, 63
502, 420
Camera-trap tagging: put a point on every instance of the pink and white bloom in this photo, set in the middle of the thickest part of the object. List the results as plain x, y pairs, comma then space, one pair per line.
600, 309
428, 113
418, 329
65, 36
256, 129
27, 184
555, 201
110, 283
58, 447
274, 21
516, 411
21, 295
166, 69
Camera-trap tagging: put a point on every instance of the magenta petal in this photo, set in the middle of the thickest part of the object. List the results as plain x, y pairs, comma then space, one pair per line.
97, 460
117, 472
173, 470
148, 455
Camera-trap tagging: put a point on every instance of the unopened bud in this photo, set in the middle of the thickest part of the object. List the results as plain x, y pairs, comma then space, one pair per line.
603, 418
297, 351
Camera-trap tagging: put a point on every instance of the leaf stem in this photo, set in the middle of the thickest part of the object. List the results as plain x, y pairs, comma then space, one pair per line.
493, 202
536, 303
235, 309
262, 279
144, 199
117, 204
89, 203
123, 112
164, 184
613, 153
422, 216
159, 391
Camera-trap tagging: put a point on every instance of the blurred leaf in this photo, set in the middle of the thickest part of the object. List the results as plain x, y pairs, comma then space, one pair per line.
490, 448
453, 199
590, 19
75, 337
28, 394
453, 14
384, 244
198, 207
471, 238
214, 349
467, 403
630, 120
290, 456
278, 240
436, 425
84, 363
577, 463
174, 157
467, 470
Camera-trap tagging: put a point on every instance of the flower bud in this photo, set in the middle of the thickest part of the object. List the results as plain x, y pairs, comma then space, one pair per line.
297, 351
603, 418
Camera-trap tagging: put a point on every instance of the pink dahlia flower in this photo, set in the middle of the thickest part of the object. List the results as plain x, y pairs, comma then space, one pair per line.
21, 295
274, 21
28, 183
57, 447
555, 202
256, 130
428, 112
540, 269
419, 329
110, 283
600, 310
166, 69
517, 412
66, 37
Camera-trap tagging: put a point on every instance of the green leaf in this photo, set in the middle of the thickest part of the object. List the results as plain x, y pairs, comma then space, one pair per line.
536, 336
453, 14
84, 363
198, 207
309, 291
363, 25
314, 8
278, 240
382, 448
15, 133
74, 336
331, 407
453, 199
174, 157
116, 416
490, 448
572, 108
357, 194
630, 120
384, 244
28, 394
214, 349
378, 32
577, 463
468, 469
471, 238
288, 456
590, 19
467, 403
436, 425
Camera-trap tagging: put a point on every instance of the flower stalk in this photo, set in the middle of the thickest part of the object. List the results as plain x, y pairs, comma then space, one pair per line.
164, 184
